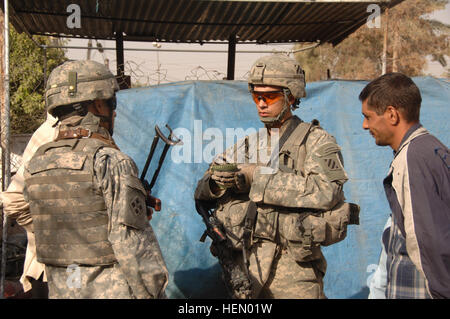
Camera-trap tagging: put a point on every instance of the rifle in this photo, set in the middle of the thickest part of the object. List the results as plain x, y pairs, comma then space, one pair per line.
150, 200
236, 280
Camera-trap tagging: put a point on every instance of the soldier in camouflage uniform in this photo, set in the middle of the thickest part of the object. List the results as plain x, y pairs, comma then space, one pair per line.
87, 204
289, 211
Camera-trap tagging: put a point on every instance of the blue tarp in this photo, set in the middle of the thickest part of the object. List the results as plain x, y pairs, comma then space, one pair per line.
201, 111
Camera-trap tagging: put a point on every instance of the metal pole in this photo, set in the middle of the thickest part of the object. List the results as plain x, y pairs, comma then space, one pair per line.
159, 69
88, 56
231, 57
119, 55
44, 47
6, 88
157, 45
5, 138
385, 40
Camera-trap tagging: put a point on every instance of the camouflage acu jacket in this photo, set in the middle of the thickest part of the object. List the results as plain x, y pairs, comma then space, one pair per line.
139, 270
307, 182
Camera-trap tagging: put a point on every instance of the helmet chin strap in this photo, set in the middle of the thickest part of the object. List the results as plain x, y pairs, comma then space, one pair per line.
271, 121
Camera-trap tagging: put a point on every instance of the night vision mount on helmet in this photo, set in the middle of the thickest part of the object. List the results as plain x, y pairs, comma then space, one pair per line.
79, 81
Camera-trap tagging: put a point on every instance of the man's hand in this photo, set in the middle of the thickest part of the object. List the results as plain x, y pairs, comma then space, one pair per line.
244, 177
223, 179
239, 178
224, 175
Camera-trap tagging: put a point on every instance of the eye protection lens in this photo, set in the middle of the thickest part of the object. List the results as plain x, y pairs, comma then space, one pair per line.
268, 97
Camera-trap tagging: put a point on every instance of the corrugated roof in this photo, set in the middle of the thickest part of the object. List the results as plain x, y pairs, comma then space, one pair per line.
197, 20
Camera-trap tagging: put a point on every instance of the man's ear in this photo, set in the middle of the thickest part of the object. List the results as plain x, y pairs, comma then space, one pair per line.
96, 106
392, 115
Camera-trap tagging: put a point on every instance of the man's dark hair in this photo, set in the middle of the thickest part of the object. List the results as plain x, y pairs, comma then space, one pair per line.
394, 89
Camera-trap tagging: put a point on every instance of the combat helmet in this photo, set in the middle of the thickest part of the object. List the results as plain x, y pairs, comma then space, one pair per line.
279, 70
79, 81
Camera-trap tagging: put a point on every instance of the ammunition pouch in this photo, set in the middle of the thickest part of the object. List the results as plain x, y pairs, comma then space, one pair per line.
232, 215
337, 220
243, 221
299, 234
266, 223
304, 233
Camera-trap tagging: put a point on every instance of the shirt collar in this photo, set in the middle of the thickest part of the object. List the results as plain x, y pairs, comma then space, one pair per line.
411, 130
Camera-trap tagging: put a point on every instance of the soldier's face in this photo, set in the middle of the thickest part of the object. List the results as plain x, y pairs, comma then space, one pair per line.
269, 100
378, 125
105, 110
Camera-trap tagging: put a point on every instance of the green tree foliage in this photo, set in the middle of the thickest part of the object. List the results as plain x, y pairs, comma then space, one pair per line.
27, 79
412, 36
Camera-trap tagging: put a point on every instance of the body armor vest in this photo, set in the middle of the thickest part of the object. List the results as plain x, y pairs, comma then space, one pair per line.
280, 224
69, 213
232, 209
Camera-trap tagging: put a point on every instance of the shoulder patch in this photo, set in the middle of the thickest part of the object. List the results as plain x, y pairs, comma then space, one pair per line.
328, 157
134, 214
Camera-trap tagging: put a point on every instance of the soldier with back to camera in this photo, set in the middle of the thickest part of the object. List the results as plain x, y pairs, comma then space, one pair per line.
87, 203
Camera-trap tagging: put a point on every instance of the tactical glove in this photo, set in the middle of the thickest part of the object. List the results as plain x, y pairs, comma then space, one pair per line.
244, 177
224, 179
224, 175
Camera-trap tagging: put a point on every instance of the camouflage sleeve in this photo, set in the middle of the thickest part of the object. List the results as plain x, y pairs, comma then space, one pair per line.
133, 240
319, 188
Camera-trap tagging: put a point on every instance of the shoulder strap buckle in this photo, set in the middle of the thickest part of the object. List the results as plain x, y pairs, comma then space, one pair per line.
74, 133
87, 134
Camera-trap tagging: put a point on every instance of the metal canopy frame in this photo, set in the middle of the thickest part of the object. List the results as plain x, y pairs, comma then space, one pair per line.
195, 21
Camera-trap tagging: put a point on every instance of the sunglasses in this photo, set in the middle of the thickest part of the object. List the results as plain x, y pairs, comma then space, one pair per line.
269, 97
